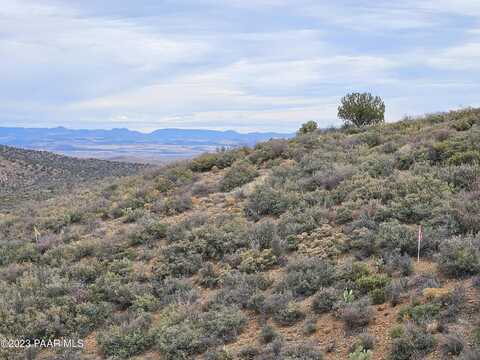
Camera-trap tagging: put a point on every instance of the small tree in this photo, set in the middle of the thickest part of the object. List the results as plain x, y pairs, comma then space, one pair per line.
362, 109
308, 127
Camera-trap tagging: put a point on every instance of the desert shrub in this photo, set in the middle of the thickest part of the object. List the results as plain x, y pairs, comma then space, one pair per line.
268, 334
305, 276
207, 161
366, 284
173, 205
463, 124
146, 302
476, 282
221, 354
249, 352
419, 282
298, 221
476, 336
309, 326
116, 289
422, 313
324, 299
459, 256
379, 166
283, 309
255, 261
241, 289
360, 354
178, 259
412, 343
398, 264
215, 241
147, 232
269, 150
463, 177
451, 344
264, 200
175, 291
462, 215
378, 296
356, 314
263, 235
126, 340
452, 304
302, 352
393, 292
351, 271
467, 157
318, 175
131, 215
204, 188
393, 236
222, 324
208, 277
179, 338
288, 315
86, 271
365, 341
469, 354
240, 173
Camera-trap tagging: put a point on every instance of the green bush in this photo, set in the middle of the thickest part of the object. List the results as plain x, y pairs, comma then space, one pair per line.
309, 326
308, 127
357, 314
263, 235
175, 204
240, 173
283, 309
393, 236
242, 290
377, 296
180, 336
360, 354
223, 324
126, 340
179, 259
421, 314
412, 342
302, 352
459, 256
324, 299
268, 334
451, 345
264, 200
369, 283
254, 261
305, 276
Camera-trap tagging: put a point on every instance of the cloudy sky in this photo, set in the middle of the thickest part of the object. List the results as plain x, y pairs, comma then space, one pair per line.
231, 64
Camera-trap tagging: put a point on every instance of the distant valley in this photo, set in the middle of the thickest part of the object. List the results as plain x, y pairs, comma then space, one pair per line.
159, 146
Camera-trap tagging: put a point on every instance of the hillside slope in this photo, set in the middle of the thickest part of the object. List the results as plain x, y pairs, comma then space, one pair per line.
296, 249
29, 174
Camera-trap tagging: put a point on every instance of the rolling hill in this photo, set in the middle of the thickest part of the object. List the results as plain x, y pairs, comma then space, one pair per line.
29, 174
294, 249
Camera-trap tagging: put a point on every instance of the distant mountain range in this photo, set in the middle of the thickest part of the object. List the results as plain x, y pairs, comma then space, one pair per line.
124, 144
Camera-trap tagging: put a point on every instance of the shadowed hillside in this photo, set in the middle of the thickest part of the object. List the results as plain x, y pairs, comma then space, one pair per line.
294, 249
28, 174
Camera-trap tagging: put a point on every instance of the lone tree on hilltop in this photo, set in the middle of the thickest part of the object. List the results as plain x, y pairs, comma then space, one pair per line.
362, 109
308, 127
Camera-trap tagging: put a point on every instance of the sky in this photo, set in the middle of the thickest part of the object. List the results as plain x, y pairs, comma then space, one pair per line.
245, 65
